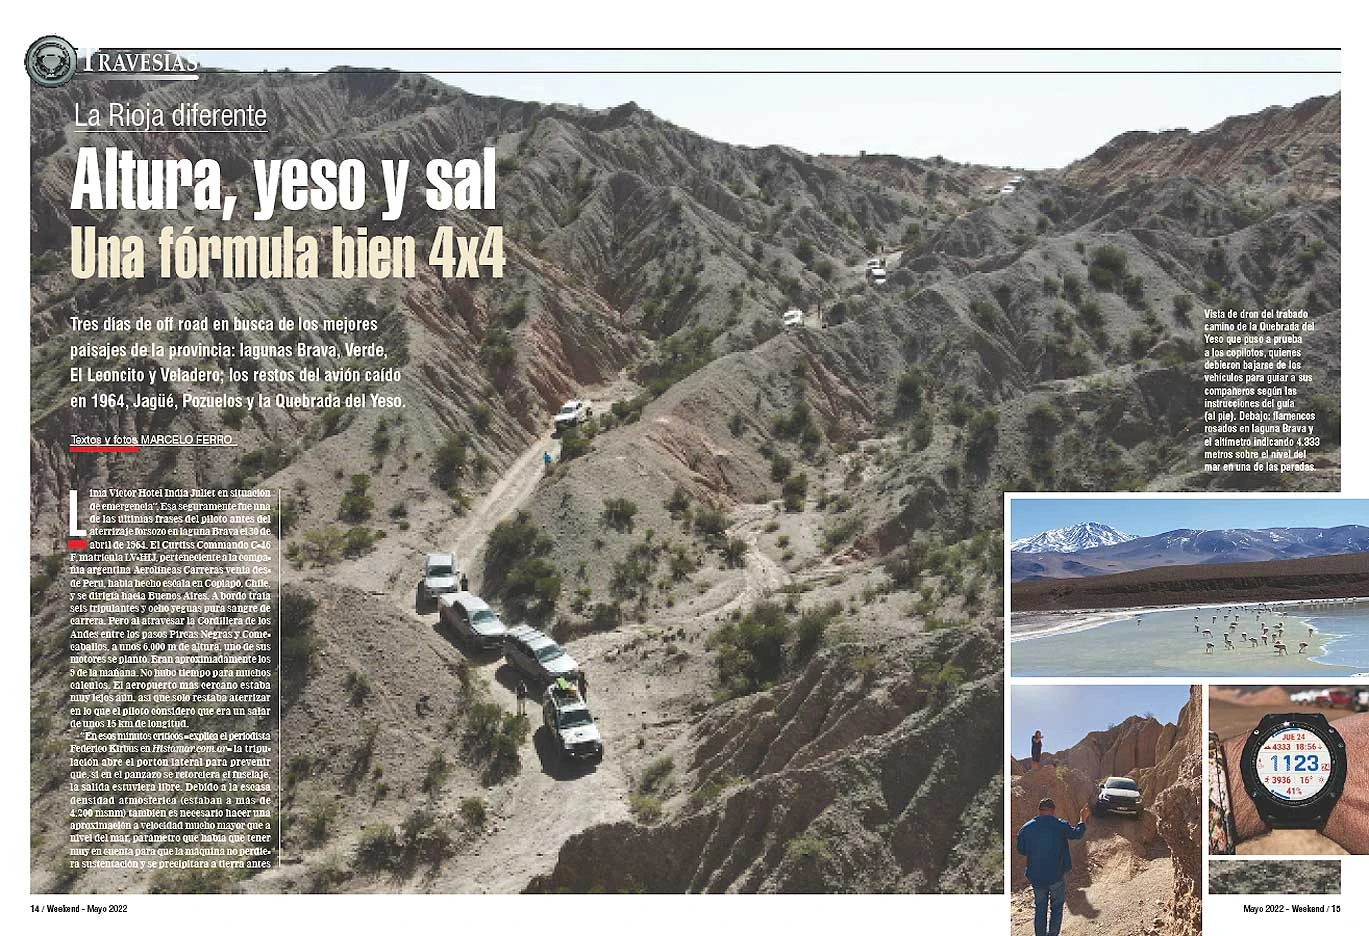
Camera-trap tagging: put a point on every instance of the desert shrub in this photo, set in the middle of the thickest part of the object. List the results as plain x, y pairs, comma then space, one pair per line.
656, 775
842, 530
1182, 306
981, 435
618, 514
480, 416
644, 808
626, 411
427, 838
780, 467
318, 820
794, 492
812, 628
709, 521
908, 393
676, 358
631, 577
436, 774
808, 847
260, 463
531, 589
298, 643
493, 737
734, 552
378, 848
796, 422
1072, 288
360, 540
473, 812
749, 654
1107, 267
1091, 314
357, 504
358, 687
678, 502
191, 881
513, 539
498, 355
449, 461
574, 443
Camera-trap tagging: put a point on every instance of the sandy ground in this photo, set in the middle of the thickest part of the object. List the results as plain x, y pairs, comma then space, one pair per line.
1273, 877
1115, 890
1230, 719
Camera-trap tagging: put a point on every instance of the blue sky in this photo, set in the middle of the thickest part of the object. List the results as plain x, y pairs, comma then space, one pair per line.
1064, 714
1029, 121
1146, 516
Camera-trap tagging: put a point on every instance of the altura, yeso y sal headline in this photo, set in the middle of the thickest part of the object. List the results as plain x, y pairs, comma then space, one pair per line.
119, 179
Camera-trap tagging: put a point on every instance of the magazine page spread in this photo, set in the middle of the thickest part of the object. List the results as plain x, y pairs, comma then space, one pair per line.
665, 472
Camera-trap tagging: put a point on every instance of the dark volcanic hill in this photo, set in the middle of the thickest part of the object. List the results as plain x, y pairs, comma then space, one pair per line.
776, 550
1190, 547
1280, 580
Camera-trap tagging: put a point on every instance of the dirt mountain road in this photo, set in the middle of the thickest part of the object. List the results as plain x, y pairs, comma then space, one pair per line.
1118, 885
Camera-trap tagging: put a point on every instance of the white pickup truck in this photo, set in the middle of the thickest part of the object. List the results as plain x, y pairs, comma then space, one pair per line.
572, 413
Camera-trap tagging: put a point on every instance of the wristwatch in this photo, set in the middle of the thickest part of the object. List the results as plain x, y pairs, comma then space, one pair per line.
1293, 768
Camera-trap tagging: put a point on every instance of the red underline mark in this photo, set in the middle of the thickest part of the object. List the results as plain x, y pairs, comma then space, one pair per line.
76, 544
103, 448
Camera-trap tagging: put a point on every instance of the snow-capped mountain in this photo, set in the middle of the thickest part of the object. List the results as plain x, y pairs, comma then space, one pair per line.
1072, 539
1186, 547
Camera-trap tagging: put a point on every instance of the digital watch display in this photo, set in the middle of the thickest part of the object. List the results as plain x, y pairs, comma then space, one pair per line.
1293, 768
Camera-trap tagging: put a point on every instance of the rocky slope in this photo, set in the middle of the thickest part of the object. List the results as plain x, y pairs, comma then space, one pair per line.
859, 464
836, 782
1190, 547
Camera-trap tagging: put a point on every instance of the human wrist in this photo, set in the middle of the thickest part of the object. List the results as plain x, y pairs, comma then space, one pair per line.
1244, 814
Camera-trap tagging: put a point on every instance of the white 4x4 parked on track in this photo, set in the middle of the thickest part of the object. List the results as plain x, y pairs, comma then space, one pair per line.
572, 413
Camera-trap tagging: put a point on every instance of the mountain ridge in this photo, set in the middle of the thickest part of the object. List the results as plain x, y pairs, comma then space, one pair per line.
1193, 547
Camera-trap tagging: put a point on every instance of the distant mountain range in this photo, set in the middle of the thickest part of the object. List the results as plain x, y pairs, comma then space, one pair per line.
1180, 547
1072, 539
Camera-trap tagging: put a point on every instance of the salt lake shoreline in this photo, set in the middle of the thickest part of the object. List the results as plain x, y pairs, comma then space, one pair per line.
1029, 625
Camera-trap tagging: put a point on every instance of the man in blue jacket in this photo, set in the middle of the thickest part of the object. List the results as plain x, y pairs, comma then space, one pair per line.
1045, 841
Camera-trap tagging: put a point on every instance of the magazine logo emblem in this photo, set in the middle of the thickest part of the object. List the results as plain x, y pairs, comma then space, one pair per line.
50, 62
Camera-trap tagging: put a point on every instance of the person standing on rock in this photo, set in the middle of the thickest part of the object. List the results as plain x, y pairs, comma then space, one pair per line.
1036, 749
1045, 841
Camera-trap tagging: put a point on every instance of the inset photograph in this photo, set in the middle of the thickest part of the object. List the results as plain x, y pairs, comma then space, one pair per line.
1189, 586
1105, 811
1227, 876
1288, 770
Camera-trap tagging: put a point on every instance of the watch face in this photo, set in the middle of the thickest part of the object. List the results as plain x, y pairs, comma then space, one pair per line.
1293, 764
